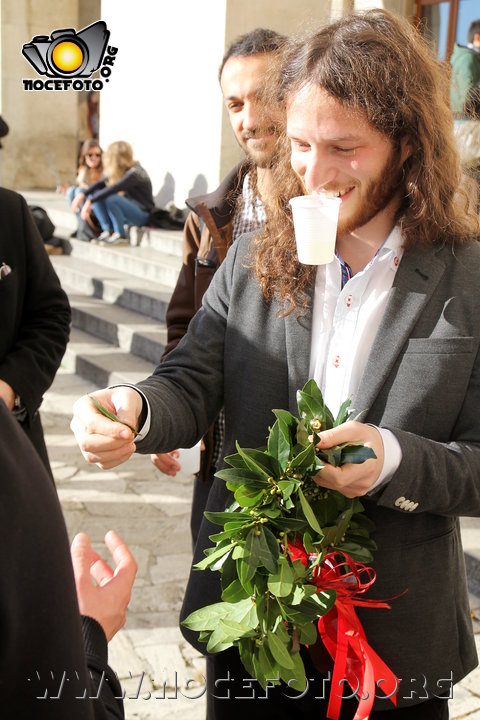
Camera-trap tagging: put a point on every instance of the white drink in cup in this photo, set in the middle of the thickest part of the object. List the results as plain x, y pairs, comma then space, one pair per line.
189, 459
315, 219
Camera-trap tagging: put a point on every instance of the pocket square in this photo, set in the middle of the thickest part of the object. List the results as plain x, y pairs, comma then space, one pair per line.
4, 270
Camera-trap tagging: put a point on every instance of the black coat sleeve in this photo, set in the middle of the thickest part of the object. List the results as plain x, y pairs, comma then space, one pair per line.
48, 671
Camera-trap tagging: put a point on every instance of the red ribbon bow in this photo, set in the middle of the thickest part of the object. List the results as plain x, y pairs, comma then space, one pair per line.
342, 633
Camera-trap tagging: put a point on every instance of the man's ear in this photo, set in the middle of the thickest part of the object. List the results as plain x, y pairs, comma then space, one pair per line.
406, 148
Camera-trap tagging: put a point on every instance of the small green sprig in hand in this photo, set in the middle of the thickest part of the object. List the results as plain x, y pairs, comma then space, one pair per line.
111, 416
269, 601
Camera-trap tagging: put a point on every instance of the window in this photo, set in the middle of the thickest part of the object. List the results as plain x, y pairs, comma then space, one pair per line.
445, 22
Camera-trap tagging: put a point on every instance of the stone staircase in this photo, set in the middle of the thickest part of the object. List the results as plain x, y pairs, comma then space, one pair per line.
118, 296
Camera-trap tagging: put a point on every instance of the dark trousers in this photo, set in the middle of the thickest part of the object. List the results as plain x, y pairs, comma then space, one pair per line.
201, 488
230, 697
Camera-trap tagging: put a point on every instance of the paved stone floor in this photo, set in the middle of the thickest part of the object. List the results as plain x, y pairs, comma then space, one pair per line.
151, 512
161, 675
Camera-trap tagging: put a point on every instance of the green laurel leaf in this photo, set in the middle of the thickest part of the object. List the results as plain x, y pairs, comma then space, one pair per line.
213, 557
279, 651
355, 453
295, 678
308, 512
280, 583
279, 444
111, 416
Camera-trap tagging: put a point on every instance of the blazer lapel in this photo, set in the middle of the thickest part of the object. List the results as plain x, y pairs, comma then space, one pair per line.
418, 275
298, 334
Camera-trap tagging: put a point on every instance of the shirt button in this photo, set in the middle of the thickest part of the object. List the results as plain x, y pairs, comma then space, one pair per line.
396, 260
348, 300
336, 361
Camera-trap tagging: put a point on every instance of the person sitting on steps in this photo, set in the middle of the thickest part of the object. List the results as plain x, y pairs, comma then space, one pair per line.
90, 170
123, 198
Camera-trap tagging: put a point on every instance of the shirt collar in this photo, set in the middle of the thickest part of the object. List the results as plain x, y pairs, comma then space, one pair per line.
392, 244
394, 241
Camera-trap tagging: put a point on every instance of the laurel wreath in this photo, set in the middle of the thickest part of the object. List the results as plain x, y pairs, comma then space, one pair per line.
270, 600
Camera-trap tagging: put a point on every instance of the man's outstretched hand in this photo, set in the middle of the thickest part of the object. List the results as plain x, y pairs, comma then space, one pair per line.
102, 441
106, 599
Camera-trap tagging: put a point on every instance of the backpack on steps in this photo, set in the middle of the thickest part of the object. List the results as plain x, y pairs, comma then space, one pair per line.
45, 226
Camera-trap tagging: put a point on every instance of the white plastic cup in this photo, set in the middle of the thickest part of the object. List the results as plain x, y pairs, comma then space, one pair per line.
315, 219
189, 459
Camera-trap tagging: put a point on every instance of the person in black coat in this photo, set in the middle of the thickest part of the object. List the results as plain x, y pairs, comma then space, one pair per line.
34, 317
53, 662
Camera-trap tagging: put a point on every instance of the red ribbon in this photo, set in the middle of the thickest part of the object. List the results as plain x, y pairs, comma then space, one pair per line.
342, 633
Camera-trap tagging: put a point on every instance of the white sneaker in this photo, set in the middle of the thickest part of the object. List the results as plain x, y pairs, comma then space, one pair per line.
116, 239
100, 240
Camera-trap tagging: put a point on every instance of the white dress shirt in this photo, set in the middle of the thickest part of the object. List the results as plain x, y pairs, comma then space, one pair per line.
345, 322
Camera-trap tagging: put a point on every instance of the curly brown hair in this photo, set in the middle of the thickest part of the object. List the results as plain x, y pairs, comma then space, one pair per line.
377, 63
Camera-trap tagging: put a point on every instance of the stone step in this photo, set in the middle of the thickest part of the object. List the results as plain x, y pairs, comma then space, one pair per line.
163, 241
100, 363
62, 219
113, 286
138, 262
130, 331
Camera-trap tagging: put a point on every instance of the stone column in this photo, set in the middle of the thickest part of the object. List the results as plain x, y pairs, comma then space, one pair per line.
41, 148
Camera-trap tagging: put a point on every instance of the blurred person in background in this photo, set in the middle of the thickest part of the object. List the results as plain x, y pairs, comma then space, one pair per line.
465, 99
465, 82
90, 169
123, 199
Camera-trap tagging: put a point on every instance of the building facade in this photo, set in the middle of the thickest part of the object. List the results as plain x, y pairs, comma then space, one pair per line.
162, 94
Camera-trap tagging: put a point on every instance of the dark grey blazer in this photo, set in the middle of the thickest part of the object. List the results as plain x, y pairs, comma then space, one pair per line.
422, 381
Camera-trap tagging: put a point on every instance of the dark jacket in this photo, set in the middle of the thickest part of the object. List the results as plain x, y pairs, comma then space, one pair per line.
42, 652
34, 313
135, 184
465, 83
207, 236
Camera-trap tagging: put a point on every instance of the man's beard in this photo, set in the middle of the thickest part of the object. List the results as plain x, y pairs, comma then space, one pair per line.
376, 195
263, 155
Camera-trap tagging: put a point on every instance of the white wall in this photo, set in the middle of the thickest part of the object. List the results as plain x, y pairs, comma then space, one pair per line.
284, 16
176, 124
403, 7
163, 95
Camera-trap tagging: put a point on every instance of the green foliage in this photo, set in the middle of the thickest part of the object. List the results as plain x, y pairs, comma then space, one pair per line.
111, 416
270, 601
